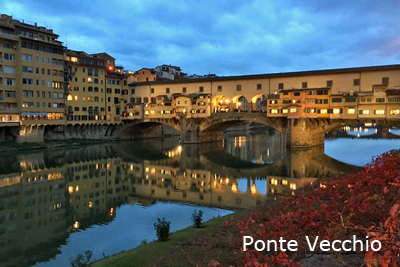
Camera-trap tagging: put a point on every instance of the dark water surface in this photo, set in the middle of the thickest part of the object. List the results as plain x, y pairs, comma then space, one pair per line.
55, 204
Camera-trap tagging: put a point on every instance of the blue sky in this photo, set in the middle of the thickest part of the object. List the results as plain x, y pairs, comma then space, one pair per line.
225, 37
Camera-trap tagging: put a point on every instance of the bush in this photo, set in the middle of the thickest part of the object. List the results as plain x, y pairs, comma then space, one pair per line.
162, 229
82, 260
197, 218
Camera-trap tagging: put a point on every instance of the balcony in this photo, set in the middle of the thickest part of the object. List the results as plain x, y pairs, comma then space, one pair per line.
9, 36
8, 108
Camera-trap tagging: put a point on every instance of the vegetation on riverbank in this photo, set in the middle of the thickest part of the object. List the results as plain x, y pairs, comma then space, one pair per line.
149, 254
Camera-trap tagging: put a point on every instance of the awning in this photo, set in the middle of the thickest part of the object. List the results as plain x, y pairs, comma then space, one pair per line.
34, 113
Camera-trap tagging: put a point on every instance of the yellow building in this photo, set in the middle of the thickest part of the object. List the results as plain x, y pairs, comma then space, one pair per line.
86, 98
32, 76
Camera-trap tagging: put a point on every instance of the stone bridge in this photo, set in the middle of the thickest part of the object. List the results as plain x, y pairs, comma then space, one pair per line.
299, 132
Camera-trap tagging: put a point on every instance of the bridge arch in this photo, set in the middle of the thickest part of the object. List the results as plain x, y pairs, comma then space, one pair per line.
239, 102
222, 121
220, 104
257, 102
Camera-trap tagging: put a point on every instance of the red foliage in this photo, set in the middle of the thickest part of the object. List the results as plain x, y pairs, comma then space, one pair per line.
356, 204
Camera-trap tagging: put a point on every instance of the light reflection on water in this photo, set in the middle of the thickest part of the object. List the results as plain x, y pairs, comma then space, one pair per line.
106, 197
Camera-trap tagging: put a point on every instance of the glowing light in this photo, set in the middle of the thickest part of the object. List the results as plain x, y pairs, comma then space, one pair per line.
76, 225
77, 188
227, 180
70, 189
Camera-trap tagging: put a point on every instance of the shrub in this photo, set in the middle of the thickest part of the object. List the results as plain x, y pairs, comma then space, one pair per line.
197, 218
162, 229
82, 260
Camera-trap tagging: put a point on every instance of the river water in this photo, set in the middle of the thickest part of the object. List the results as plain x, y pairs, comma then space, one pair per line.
57, 203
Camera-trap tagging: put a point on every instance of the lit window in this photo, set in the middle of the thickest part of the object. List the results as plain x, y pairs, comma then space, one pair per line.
394, 111
284, 110
379, 112
293, 186
351, 111
336, 111
365, 112
76, 98
284, 182
274, 111
293, 110
324, 111
70, 189
69, 98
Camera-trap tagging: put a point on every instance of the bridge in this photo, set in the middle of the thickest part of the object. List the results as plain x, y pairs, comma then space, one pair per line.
300, 132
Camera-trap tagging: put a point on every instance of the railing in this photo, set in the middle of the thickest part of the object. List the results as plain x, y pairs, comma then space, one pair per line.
10, 36
7, 108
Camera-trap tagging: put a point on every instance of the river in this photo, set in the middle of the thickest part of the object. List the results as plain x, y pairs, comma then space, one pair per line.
57, 203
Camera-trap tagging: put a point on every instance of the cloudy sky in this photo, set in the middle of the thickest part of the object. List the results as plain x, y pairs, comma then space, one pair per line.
228, 37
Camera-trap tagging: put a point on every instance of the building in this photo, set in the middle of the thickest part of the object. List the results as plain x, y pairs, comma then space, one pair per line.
351, 93
169, 72
31, 78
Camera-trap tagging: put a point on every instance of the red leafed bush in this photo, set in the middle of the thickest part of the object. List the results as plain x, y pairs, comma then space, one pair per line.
366, 203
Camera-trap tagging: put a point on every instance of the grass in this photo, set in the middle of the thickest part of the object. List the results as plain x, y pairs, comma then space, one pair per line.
142, 255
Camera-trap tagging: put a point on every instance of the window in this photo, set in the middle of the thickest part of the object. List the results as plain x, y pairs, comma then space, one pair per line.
363, 112
151, 91
219, 88
117, 91
273, 111
27, 93
310, 92
379, 112
304, 85
336, 100
201, 89
356, 82
27, 69
10, 69
394, 99
350, 99
293, 110
337, 111
43, 60
385, 80
259, 86
351, 111
27, 81
10, 94
394, 111
26, 57
284, 110
296, 94
167, 90
280, 86
183, 89
380, 100
89, 72
329, 83
238, 87
11, 57
27, 105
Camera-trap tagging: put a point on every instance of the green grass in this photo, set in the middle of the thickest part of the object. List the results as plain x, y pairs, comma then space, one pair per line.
141, 255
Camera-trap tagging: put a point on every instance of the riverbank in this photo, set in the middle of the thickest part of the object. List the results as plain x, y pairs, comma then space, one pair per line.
145, 254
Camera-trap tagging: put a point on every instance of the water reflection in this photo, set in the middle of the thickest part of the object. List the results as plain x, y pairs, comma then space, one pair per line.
51, 201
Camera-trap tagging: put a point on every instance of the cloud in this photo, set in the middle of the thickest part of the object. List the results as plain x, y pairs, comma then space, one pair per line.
225, 37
